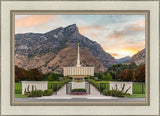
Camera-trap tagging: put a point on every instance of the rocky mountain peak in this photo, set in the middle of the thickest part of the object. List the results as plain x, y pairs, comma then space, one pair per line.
53, 50
71, 28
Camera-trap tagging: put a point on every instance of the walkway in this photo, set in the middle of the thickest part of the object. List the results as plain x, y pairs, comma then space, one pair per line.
62, 91
93, 91
67, 99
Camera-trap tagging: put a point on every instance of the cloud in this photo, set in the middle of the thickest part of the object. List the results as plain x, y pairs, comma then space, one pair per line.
32, 20
120, 35
137, 28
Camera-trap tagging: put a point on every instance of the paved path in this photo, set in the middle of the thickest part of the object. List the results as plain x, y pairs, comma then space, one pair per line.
62, 91
94, 91
29, 99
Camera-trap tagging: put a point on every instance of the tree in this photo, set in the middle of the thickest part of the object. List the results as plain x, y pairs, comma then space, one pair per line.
109, 77
126, 75
129, 75
37, 75
140, 73
53, 77
122, 75
115, 70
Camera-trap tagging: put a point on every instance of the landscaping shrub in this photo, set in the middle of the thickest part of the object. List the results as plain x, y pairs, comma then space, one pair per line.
94, 83
78, 80
48, 92
63, 82
78, 90
36, 93
127, 94
114, 93
59, 84
39, 93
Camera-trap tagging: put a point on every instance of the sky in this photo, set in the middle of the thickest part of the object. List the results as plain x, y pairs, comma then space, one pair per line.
119, 35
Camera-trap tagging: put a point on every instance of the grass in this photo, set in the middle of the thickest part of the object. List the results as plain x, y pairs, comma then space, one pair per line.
20, 96
107, 83
53, 81
18, 88
53, 84
136, 96
138, 88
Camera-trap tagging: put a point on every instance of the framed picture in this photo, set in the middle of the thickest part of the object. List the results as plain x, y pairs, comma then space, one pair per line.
80, 58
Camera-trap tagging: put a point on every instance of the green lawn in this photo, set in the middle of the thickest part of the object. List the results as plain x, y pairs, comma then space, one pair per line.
53, 81
107, 83
136, 96
20, 96
138, 88
18, 88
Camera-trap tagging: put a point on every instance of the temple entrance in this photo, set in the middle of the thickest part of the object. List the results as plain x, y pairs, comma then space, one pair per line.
78, 80
75, 85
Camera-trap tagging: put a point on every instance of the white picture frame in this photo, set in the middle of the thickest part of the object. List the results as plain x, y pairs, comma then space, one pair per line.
6, 69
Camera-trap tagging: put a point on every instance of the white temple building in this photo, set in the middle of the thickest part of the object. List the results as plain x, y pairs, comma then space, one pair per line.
78, 71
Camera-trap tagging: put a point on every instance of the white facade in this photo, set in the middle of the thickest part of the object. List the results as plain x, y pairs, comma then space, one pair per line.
120, 85
78, 71
40, 85
78, 85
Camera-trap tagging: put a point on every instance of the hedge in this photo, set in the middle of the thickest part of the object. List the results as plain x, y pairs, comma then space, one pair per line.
94, 83
78, 90
48, 92
62, 83
36, 93
114, 93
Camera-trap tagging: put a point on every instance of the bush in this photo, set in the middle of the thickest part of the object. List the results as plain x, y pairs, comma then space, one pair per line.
48, 92
78, 90
36, 93
39, 93
94, 83
127, 94
78, 80
114, 93
63, 82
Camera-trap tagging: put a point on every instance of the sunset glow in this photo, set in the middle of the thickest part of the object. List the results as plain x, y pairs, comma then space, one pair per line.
122, 52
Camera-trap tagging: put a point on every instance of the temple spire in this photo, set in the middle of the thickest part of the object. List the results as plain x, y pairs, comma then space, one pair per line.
78, 58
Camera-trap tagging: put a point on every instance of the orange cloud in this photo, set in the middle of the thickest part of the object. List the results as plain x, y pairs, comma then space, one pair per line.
122, 51
32, 20
89, 28
114, 54
139, 24
137, 28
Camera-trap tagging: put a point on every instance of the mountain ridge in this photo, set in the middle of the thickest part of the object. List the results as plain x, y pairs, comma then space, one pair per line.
36, 50
138, 58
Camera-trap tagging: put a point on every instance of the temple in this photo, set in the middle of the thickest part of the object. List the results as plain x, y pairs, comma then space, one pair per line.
78, 72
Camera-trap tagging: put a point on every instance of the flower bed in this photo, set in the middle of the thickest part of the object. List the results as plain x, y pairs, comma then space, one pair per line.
79, 90
78, 93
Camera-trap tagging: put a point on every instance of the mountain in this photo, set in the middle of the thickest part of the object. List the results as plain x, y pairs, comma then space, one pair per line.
138, 58
123, 60
53, 50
